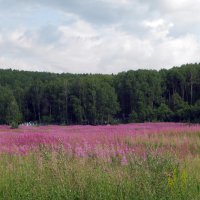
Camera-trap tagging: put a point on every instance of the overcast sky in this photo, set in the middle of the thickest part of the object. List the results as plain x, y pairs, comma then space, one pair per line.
98, 36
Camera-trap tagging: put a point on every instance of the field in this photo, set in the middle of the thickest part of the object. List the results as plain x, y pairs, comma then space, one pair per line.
133, 161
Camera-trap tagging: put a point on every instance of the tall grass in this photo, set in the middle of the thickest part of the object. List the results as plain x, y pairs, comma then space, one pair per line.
54, 175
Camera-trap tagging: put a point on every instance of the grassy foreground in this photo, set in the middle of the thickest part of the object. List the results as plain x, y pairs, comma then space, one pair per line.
54, 175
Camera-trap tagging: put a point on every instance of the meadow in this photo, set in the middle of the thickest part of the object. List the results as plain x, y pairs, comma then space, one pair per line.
132, 161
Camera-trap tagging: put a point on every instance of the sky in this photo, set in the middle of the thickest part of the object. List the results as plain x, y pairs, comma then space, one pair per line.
98, 36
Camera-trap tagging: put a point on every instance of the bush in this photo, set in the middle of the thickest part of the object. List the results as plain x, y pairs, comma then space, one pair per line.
14, 125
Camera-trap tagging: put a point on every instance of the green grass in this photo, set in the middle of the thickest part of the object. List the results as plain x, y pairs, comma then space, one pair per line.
55, 176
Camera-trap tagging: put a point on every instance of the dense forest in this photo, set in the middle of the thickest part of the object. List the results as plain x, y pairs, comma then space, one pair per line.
133, 96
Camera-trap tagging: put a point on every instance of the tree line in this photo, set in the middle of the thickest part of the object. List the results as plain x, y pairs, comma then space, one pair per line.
132, 96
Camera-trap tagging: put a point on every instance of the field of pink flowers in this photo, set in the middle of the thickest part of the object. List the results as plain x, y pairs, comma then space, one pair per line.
105, 142
134, 161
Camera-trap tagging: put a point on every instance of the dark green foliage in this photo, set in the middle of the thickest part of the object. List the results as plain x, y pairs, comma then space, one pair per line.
164, 113
133, 117
13, 115
133, 96
9, 110
14, 125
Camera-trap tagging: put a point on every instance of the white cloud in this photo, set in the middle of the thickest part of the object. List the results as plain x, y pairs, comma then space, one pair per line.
176, 51
159, 28
180, 5
116, 36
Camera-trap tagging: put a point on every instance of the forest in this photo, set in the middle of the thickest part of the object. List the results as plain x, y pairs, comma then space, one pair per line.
132, 96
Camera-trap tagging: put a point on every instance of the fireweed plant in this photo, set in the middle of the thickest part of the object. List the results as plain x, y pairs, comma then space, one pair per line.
134, 161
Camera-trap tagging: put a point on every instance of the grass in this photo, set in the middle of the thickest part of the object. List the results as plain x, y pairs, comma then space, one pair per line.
51, 175
99, 164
